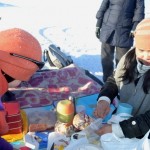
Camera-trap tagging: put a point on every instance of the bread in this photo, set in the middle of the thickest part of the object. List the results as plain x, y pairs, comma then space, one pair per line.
42, 117
64, 128
81, 121
38, 127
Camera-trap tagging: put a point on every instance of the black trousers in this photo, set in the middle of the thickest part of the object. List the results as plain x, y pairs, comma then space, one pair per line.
108, 53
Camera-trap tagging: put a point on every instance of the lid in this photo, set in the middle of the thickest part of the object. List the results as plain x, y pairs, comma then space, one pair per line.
65, 107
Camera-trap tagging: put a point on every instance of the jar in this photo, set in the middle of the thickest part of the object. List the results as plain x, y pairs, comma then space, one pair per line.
65, 111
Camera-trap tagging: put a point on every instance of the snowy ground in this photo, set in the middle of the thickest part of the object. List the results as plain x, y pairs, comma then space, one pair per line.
69, 24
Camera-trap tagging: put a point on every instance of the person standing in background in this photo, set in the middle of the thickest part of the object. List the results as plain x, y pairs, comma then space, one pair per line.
116, 21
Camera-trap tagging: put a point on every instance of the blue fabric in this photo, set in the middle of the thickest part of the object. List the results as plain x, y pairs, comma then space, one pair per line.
89, 102
4, 145
44, 139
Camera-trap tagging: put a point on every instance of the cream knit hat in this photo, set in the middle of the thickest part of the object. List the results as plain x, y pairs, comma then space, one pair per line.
142, 35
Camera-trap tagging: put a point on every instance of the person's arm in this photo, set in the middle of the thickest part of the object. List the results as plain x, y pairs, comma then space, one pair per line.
111, 128
100, 14
136, 126
138, 13
109, 89
108, 92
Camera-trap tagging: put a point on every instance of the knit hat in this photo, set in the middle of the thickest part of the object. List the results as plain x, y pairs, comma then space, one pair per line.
142, 35
17, 41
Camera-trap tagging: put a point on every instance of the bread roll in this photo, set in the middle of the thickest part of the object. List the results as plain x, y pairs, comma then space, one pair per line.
81, 121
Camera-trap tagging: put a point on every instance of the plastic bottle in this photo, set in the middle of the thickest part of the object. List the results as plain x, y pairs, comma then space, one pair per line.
92, 137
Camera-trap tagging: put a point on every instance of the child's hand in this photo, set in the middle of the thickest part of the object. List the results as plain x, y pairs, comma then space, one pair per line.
105, 129
102, 109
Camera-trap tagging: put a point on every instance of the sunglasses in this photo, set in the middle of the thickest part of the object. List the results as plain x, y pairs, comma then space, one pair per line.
38, 63
8, 78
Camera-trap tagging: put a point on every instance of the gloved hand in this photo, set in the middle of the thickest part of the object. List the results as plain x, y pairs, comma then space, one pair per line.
97, 32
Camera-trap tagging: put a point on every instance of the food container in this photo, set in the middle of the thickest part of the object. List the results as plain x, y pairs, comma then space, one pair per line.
124, 108
65, 111
13, 117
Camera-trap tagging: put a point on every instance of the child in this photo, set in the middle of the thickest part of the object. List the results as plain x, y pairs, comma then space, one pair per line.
132, 81
20, 57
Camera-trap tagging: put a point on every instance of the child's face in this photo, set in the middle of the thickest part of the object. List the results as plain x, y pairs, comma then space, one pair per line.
14, 83
143, 56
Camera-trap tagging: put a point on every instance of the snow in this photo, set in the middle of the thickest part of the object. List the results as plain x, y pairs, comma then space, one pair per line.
70, 24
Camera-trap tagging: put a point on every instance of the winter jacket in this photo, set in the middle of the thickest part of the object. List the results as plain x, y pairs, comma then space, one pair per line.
117, 18
131, 94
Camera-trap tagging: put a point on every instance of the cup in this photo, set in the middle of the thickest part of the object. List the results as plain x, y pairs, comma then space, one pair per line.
124, 108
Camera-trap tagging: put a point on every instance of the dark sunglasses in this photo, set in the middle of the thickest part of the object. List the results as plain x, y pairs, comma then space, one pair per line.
38, 63
8, 78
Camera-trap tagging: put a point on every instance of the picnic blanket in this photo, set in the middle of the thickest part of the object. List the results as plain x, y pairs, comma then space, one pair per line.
48, 86
88, 101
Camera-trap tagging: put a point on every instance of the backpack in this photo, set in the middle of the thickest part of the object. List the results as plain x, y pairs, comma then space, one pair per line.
56, 57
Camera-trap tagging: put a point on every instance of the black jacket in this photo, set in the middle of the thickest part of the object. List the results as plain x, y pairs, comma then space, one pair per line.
135, 126
117, 18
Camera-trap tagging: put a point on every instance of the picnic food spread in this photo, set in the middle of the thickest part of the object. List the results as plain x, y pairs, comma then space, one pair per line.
61, 120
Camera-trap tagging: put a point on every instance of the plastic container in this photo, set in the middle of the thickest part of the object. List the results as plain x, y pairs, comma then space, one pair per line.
92, 137
56, 139
109, 115
124, 108
80, 108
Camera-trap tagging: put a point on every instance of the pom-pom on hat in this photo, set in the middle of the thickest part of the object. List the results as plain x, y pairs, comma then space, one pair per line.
22, 43
142, 35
